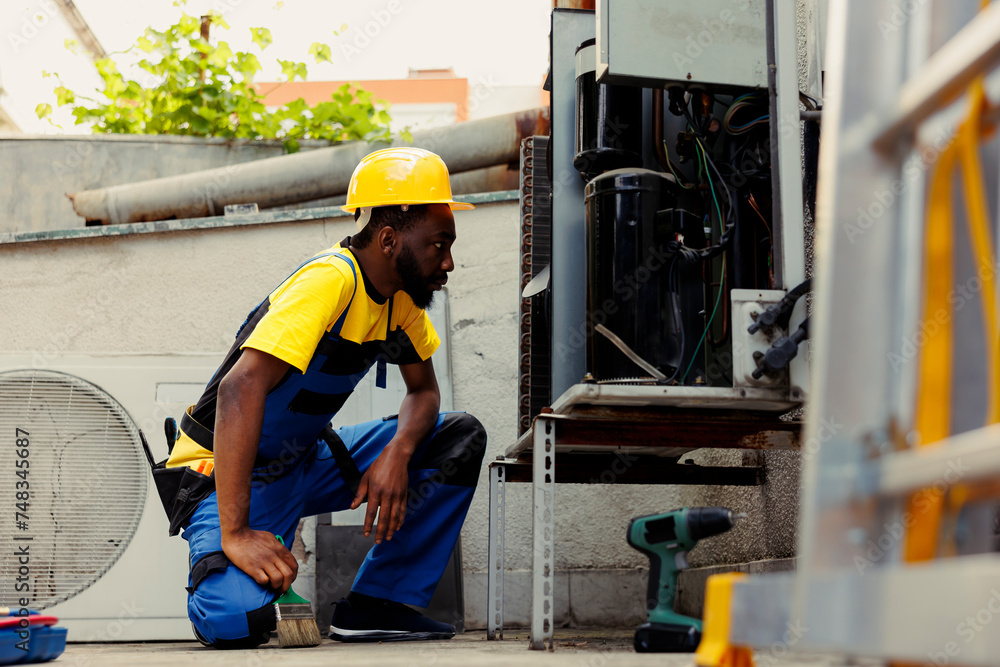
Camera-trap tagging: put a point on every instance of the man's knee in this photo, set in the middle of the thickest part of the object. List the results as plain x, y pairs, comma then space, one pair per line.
458, 449
218, 620
234, 629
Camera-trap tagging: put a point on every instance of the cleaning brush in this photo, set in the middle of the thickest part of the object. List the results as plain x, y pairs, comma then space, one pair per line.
296, 623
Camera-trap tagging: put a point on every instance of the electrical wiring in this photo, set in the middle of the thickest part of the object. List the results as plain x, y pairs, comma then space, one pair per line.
718, 299
722, 182
673, 287
747, 101
756, 208
670, 165
811, 102
704, 160
722, 227
703, 154
740, 129
706, 166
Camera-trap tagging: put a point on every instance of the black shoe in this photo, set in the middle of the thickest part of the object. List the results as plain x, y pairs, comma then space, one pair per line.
378, 620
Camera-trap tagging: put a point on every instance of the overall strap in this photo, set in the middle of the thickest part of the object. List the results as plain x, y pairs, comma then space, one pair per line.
339, 324
380, 368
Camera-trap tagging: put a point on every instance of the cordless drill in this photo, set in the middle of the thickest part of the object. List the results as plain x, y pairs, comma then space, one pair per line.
666, 539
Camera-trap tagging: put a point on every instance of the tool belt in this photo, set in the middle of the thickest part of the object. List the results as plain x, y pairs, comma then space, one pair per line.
182, 488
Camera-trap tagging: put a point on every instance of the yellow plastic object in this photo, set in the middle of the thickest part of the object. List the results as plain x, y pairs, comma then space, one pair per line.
396, 176
715, 649
933, 409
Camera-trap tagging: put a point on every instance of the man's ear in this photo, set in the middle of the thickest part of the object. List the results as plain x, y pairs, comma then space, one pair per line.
387, 239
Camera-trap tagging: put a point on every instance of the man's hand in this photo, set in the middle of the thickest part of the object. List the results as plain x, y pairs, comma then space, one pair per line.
260, 555
384, 484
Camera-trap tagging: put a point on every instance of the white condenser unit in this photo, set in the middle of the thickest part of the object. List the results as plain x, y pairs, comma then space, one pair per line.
76, 491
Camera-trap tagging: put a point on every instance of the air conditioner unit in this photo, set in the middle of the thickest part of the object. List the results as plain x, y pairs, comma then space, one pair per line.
99, 556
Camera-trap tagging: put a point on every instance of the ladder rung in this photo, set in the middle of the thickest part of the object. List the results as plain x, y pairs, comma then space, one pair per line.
967, 457
876, 607
945, 75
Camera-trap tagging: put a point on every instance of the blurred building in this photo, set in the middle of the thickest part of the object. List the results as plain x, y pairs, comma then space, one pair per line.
426, 98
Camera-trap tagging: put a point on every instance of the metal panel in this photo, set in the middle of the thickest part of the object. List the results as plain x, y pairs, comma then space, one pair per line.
787, 169
569, 241
718, 42
751, 398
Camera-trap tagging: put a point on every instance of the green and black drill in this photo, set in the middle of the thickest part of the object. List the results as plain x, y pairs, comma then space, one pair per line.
667, 538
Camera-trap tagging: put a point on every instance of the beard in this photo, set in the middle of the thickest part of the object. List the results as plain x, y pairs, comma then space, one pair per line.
415, 284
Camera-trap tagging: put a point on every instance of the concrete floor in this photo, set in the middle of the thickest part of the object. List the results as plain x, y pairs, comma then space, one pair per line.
576, 648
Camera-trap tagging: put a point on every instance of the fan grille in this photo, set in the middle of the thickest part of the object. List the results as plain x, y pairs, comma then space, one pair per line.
86, 475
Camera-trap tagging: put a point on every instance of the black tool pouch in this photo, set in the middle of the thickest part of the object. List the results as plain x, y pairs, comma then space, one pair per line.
180, 489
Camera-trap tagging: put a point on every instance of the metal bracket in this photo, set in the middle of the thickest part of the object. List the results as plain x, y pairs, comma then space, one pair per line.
543, 533
494, 593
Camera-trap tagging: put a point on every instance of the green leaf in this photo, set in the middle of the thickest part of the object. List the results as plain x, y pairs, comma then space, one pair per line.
64, 96
220, 56
291, 145
248, 65
207, 113
70, 44
217, 19
145, 44
291, 69
187, 26
43, 110
261, 37
321, 52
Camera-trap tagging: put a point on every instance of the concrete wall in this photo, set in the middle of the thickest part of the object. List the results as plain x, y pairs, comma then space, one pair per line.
186, 291
36, 172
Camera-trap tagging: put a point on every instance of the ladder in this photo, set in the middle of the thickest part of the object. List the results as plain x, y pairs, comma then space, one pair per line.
874, 483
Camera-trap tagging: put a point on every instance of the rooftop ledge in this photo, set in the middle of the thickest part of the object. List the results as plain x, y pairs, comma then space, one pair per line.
261, 218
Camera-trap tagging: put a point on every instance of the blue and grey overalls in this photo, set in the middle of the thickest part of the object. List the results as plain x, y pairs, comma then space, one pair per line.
304, 467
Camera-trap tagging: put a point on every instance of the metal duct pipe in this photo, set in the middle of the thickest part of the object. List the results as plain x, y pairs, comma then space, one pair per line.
288, 179
489, 179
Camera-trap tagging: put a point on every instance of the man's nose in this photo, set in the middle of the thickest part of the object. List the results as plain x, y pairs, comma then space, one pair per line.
449, 263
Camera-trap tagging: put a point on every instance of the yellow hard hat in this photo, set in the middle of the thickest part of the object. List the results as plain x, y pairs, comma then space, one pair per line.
399, 176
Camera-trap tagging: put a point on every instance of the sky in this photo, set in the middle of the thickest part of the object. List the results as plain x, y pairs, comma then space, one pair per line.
490, 43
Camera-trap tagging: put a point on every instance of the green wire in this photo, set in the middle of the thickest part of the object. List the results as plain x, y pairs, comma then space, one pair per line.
670, 166
718, 299
711, 187
704, 333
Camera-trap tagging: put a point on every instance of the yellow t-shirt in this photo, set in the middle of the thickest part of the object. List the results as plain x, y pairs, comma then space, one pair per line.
326, 292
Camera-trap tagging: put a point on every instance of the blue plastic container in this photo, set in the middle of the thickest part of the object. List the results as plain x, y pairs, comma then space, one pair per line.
44, 643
